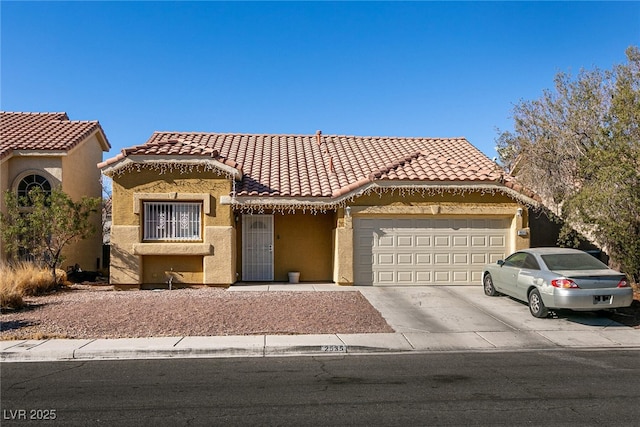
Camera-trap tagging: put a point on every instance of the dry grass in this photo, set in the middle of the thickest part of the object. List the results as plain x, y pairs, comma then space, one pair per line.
25, 279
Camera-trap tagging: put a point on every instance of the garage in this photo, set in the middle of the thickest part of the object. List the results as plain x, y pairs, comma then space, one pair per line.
426, 251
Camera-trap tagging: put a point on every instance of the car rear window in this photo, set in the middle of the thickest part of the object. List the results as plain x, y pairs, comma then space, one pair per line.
578, 261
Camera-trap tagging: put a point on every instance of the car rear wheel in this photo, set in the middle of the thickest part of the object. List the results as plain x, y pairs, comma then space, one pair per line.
536, 306
489, 289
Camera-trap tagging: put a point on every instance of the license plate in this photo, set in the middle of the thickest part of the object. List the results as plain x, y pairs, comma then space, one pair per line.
602, 299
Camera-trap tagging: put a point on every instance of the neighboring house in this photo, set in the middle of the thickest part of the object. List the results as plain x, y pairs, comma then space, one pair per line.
49, 150
213, 209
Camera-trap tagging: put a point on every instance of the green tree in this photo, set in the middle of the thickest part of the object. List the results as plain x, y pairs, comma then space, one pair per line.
578, 147
42, 224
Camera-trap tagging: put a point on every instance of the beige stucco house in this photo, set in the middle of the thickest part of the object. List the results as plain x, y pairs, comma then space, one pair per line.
49, 150
215, 209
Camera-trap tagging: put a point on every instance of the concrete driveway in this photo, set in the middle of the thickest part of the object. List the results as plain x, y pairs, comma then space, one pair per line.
470, 319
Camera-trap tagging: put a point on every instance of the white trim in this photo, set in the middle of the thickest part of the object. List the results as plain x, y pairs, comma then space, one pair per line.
53, 181
39, 153
143, 161
257, 248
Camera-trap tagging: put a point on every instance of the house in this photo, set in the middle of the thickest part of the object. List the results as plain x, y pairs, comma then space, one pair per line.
214, 209
49, 150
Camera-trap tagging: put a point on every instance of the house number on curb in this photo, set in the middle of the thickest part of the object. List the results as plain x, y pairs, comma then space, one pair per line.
334, 348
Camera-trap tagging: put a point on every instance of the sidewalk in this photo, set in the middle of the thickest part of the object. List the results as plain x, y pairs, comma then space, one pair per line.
426, 319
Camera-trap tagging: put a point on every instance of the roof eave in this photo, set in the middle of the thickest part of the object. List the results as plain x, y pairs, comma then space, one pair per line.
252, 202
123, 162
102, 139
38, 153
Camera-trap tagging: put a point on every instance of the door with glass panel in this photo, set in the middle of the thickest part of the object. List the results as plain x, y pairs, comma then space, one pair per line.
257, 248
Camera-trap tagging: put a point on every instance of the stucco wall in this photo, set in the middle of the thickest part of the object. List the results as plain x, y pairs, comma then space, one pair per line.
51, 165
81, 177
303, 242
183, 269
149, 181
210, 261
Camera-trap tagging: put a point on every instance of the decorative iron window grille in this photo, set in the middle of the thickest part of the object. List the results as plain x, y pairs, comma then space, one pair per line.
177, 221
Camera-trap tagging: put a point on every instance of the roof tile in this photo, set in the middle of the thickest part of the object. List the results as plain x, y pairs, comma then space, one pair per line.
297, 166
42, 131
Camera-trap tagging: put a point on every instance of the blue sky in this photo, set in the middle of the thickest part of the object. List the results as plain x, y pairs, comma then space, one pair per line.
435, 69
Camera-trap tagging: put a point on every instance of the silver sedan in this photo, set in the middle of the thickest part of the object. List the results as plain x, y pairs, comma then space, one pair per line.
550, 278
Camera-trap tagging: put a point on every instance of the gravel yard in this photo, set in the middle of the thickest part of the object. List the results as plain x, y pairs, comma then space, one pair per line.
83, 311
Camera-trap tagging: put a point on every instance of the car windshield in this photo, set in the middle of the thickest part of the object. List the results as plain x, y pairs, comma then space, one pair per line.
576, 261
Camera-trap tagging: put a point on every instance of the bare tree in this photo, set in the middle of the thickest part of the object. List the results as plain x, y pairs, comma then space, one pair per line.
578, 147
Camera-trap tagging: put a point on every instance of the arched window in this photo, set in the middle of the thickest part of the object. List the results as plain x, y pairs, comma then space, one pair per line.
30, 182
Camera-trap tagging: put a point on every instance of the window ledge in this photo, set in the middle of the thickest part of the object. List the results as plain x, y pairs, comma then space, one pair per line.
172, 249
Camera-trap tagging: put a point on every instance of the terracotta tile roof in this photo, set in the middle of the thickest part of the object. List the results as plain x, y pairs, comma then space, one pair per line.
325, 166
43, 131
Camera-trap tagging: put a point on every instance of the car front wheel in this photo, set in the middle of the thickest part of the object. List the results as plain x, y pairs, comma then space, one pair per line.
536, 306
489, 289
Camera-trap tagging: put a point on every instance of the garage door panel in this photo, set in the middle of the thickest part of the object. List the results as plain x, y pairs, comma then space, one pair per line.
442, 276
460, 241
403, 251
460, 276
476, 276
385, 241
479, 241
405, 277
385, 259
460, 259
385, 277
441, 241
404, 241
495, 257
496, 241
423, 241
405, 259
423, 259
441, 258
479, 259
424, 277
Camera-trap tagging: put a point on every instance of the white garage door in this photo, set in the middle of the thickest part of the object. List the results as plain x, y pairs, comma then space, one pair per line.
426, 251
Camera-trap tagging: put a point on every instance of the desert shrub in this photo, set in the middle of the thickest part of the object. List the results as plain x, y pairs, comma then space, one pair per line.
10, 295
26, 279
10, 299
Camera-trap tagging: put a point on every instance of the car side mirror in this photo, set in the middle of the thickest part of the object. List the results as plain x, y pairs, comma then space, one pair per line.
500, 262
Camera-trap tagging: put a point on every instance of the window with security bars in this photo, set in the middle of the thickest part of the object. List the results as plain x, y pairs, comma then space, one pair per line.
175, 221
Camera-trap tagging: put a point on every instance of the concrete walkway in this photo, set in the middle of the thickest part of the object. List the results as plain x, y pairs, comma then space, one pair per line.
426, 319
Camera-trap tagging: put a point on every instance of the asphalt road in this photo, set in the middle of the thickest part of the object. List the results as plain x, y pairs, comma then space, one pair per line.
517, 388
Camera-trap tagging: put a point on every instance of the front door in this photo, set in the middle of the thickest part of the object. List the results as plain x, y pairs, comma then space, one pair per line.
257, 248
